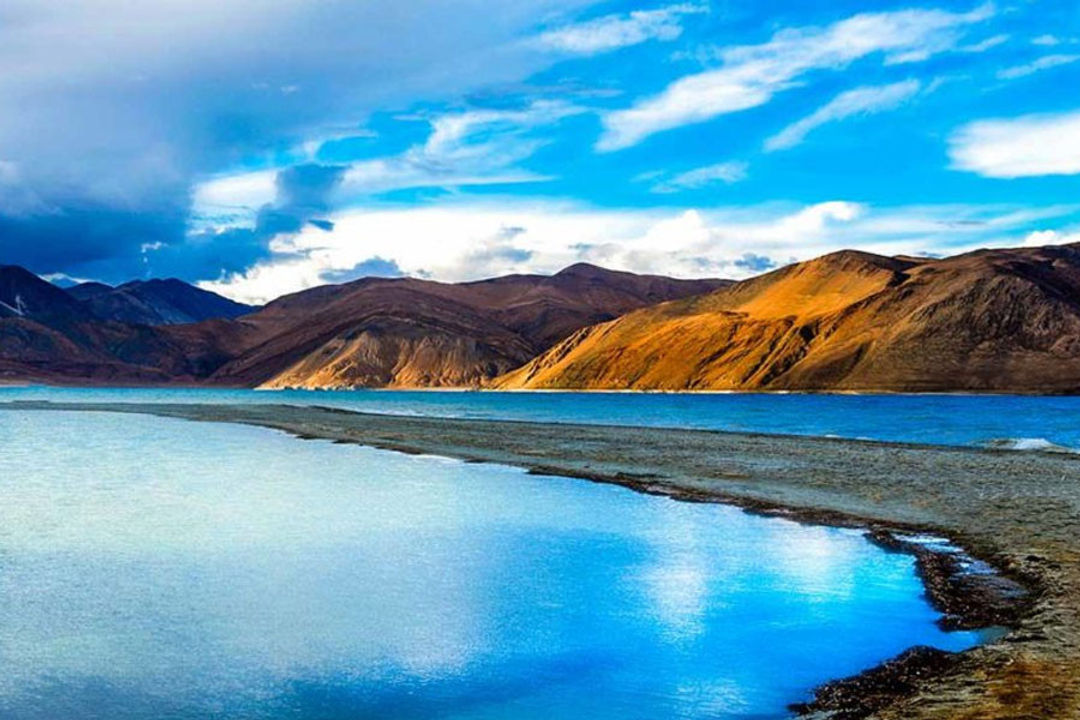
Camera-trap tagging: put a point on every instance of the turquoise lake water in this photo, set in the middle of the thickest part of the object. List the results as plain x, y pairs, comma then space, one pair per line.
1031, 423
156, 568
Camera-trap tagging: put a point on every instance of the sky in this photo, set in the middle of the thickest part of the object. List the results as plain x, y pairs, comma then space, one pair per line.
261, 147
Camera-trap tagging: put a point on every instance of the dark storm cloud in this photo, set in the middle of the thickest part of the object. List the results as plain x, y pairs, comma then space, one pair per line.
95, 241
207, 254
303, 193
122, 107
308, 186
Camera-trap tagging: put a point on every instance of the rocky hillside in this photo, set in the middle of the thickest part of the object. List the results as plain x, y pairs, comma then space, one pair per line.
993, 320
415, 333
374, 332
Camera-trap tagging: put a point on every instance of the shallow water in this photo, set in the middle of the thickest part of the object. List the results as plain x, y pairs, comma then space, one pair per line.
155, 568
1017, 422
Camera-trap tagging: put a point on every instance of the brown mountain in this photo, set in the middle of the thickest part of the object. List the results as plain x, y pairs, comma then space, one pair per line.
46, 335
992, 320
373, 332
405, 332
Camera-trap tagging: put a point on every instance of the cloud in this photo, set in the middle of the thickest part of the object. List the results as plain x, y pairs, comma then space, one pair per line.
860, 101
125, 107
459, 241
729, 172
750, 75
87, 239
473, 147
210, 253
16, 199
984, 45
230, 193
250, 216
1046, 40
301, 197
1026, 146
1044, 63
617, 31
1040, 238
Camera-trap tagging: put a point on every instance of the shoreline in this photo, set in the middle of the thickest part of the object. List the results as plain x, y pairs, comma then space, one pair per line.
82, 384
887, 489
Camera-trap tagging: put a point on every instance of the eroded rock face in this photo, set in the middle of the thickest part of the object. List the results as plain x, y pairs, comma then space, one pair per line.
1003, 320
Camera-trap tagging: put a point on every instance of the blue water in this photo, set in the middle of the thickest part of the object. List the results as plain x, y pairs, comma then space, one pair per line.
968, 420
155, 568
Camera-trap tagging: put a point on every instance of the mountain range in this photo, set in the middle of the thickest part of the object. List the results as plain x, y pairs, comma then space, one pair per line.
155, 302
989, 321
992, 320
373, 332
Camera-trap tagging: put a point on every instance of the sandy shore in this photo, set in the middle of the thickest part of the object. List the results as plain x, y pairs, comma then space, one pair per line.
1017, 511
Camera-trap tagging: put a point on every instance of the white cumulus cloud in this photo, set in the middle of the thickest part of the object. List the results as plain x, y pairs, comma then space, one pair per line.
1025, 146
1041, 238
460, 240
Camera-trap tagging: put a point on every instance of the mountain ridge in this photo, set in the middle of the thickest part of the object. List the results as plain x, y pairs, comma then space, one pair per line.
167, 301
990, 320
401, 331
1003, 320
372, 332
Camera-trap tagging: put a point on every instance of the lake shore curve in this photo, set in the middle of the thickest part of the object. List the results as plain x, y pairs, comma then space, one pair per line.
1017, 512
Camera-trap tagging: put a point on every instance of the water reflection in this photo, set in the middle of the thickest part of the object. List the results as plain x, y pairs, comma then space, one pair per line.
152, 568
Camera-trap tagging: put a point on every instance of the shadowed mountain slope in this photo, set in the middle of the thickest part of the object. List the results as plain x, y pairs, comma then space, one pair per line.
46, 335
993, 320
156, 302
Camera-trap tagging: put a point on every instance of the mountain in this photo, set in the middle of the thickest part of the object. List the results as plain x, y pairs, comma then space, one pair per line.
25, 295
992, 320
47, 335
156, 302
373, 332
87, 290
405, 332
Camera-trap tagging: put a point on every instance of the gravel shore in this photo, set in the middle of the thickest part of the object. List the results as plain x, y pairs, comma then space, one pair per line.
1019, 512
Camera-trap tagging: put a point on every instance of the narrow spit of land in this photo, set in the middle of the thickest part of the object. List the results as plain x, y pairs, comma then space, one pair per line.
1017, 511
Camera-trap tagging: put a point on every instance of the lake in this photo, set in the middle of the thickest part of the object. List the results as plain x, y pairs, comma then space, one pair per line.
1021, 422
157, 568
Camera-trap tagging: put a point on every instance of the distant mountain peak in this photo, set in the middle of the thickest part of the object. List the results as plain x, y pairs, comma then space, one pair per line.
23, 294
86, 290
165, 301
583, 267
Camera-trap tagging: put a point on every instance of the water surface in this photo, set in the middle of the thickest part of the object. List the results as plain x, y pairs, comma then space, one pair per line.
1021, 422
157, 568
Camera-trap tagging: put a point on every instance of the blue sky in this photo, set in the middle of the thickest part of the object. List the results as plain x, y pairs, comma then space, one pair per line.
264, 147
